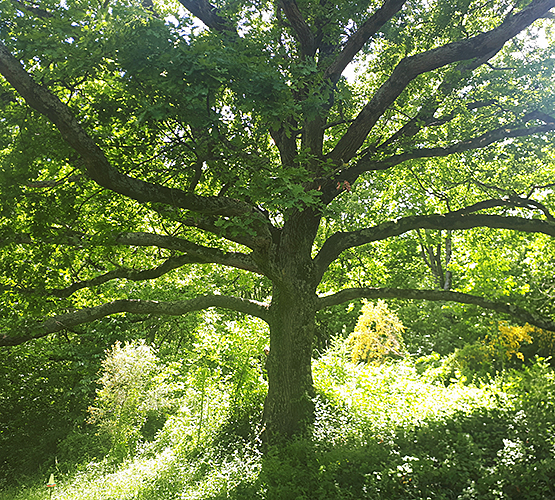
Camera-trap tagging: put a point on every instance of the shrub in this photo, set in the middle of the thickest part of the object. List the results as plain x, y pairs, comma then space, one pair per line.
132, 393
377, 335
505, 347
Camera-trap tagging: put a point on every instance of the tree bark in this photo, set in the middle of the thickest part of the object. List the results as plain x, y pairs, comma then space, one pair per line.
289, 407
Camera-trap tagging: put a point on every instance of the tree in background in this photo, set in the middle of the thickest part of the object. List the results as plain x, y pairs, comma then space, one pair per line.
142, 142
131, 388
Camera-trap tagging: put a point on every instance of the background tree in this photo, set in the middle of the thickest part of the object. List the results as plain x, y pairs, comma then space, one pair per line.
141, 140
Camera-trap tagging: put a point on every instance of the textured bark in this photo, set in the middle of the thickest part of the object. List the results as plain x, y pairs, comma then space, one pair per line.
208, 14
481, 142
302, 30
289, 408
199, 252
121, 273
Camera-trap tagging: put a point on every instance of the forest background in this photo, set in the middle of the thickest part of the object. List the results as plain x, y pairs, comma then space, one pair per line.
196, 206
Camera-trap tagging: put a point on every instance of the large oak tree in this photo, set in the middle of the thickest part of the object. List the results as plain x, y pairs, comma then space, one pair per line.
140, 139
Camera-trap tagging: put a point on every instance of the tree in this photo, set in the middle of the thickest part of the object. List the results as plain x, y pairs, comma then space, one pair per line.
140, 140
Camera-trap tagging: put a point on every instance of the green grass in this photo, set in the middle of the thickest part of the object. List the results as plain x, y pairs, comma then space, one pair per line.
381, 432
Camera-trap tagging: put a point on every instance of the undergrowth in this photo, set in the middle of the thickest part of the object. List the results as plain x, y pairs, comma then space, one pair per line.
400, 430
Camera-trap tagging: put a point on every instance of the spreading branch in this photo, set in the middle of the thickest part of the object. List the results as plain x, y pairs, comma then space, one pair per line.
480, 46
508, 308
94, 160
425, 117
302, 30
361, 36
122, 273
23, 7
341, 241
69, 320
208, 14
366, 164
198, 252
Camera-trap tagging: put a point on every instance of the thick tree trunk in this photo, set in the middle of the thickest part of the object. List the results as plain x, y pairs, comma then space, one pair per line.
289, 409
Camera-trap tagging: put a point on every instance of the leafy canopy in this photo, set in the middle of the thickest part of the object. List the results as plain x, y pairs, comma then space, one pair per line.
144, 141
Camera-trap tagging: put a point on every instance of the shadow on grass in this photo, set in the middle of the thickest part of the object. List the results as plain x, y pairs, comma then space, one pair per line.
487, 454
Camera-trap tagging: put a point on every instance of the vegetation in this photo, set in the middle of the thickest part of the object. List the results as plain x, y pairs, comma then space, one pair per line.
401, 429
267, 249
142, 142
377, 335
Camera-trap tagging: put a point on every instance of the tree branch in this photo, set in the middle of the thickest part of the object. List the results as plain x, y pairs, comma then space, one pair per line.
95, 162
361, 36
301, 29
199, 253
208, 14
128, 274
485, 44
263, 228
425, 117
339, 242
23, 7
60, 322
366, 164
435, 295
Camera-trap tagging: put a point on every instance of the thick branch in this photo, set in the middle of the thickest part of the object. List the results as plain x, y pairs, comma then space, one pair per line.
511, 201
197, 252
425, 117
361, 36
89, 314
302, 30
97, 165
209, 223
127, 274
480, 142
410, 67
22, 6
208, 14
339, 242
435, 295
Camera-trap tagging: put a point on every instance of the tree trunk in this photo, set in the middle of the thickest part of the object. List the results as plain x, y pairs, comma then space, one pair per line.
289, 409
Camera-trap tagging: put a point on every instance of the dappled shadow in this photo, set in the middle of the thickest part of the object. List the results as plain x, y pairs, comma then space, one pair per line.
480, 454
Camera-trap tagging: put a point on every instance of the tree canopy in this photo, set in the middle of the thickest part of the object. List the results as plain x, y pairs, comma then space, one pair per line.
144, 143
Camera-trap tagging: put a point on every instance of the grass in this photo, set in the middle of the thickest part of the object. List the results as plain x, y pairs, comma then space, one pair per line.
393, 431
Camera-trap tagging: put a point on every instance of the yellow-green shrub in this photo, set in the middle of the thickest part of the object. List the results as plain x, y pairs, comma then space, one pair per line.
377, 335
508, 340
502, 346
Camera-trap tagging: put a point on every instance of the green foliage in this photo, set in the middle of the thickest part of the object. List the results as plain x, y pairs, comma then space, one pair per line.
439, 327
388, 431
506, 346
45, 388
213, 118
